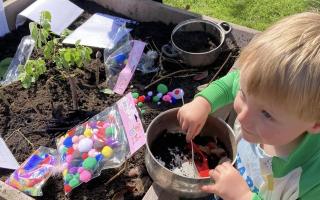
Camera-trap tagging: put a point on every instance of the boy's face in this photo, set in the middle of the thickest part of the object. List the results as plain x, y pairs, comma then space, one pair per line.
265, 124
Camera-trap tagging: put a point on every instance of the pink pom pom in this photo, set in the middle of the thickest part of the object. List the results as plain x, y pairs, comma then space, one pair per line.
69, 158
75, 146
85, 176
92, 153
75, 139
166, 98
80, 169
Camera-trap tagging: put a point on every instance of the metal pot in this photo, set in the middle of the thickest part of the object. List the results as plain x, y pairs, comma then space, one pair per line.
217, 31
181, 185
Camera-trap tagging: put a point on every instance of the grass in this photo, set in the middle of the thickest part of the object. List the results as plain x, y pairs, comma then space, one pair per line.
256, 14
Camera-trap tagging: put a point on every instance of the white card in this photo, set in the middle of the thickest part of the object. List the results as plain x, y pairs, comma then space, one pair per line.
63, 13
98, 31
7, 160
4, 29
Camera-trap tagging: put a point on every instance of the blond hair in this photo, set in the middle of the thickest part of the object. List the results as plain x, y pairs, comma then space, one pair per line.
282, 65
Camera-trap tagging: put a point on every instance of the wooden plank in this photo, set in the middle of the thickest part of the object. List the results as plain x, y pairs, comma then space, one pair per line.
9, 193
12, 8
156, 193
151, 11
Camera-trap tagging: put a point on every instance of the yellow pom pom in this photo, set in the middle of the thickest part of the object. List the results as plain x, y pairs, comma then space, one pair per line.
107, 151
87, 132
65, 172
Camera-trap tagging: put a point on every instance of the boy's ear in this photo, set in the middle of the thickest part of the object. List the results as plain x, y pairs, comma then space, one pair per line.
315, 128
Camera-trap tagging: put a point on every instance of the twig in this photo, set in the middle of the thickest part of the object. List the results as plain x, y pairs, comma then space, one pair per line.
225, 62
169, 75
97, 73
97, 62
185, 76
118, 174
73, 93
155, 46
18, 131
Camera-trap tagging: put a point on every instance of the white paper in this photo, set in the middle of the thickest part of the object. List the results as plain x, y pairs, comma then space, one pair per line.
4, 29
98, 31
63, 13
7, 160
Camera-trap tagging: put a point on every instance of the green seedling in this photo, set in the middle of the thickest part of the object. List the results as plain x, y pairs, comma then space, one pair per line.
31, 71
40, 33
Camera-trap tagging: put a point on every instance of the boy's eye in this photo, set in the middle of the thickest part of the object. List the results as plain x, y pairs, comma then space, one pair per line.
266, 114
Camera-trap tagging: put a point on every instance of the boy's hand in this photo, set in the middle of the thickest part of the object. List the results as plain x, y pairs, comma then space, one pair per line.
192, 116
228, 183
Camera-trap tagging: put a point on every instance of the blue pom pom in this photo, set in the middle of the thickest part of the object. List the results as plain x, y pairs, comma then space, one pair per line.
99, 157
68, 142
120, 58
173, 100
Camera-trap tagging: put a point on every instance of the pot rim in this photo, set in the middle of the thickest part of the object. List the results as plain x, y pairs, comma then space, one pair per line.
186, 22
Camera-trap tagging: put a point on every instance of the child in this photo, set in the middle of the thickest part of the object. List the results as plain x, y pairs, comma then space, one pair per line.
276, 95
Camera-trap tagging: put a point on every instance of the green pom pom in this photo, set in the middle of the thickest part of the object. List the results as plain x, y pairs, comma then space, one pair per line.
140, 104
89, 163
68, 177
155, 99
110, 131
74, 182
143, 111
135, 95
162, 88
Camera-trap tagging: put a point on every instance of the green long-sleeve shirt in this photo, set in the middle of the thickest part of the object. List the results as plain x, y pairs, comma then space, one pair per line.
269, 177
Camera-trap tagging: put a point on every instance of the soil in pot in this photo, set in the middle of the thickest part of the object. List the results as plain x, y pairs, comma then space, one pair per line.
195, 41
172, 151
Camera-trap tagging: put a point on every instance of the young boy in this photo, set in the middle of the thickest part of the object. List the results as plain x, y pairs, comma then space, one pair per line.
276, 94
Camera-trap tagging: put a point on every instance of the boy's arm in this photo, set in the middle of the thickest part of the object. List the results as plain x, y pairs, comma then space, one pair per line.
222, 91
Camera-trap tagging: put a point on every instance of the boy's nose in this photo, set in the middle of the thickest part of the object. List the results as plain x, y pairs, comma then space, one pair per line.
244, 114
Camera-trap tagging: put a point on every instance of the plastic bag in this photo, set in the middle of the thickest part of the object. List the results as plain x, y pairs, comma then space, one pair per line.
147, 62
121, 65
35, 171
21, 56
121, 37
100, 143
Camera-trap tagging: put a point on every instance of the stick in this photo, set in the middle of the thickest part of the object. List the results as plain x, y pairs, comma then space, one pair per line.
25, 138
73, 93
118, 174
168, 75
225, 62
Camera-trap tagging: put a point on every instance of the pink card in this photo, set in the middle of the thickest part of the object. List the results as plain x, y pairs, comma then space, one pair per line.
131, 122
128, 71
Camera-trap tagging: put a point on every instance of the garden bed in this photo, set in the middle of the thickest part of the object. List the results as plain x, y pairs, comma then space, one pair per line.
37, 116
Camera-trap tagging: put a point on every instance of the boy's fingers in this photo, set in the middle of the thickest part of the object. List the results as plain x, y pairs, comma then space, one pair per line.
227, 164
189, 137
209, 188
197, 129
192, 131
214, 174
184, 127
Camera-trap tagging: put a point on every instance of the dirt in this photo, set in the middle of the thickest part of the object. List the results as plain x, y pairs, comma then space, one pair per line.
35, 117
195, 41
